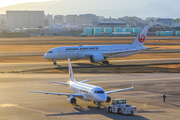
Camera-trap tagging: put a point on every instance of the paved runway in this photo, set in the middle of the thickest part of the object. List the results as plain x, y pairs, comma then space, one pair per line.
18, 104
24, 67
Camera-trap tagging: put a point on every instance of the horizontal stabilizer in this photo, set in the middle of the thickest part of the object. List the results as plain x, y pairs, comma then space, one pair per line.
84, 81
153, 48
59, 82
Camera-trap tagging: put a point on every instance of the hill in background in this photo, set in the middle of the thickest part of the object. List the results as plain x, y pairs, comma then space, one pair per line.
106, 8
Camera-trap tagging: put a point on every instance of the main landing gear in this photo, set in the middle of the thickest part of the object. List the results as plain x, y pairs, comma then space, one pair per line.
98, 104
55, 63
105, 62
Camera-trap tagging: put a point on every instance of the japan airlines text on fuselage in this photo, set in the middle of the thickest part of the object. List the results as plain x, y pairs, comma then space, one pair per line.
99, 53
84, 91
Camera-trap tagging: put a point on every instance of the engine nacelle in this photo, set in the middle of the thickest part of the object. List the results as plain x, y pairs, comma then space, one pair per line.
96, 58
72, 100
108, 99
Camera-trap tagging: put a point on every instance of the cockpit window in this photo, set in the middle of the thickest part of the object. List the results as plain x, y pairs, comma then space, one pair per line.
98, 92
49, 52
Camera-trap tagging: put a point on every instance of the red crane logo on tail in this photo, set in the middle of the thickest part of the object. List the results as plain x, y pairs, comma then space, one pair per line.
70, 73
141, 38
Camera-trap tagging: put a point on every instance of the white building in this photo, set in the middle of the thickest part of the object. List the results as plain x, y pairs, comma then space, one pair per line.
48, 20
2, 19
151, 19
151, 23
58, 19
28, 19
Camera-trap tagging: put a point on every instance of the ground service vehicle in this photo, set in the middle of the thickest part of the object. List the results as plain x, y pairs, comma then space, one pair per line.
120, 106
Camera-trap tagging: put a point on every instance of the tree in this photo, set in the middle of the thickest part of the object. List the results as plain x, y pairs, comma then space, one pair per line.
40, 27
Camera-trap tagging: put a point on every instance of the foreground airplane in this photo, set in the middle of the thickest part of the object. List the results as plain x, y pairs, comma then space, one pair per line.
84, 91
98, 53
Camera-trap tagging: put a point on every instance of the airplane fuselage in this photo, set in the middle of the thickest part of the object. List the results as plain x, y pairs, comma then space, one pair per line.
89, 92
83, 52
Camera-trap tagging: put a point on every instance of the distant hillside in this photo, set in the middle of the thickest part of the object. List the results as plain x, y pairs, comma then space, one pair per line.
107, 8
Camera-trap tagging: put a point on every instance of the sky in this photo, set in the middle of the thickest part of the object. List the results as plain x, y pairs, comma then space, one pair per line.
106, 8
13, 2
174, 3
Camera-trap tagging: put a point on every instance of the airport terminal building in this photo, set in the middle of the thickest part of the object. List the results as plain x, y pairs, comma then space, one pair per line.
111, 24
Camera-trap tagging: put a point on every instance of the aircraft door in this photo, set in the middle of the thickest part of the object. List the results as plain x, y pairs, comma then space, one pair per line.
59, 52
110, 49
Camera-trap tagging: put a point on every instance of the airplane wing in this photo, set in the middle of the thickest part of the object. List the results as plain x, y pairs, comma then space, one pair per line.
75, 95
111, 53
128, 51
114, 53
153, 48
59, 82
108, 92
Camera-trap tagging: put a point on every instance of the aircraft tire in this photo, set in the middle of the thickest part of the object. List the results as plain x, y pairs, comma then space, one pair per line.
106, 62
110, 109
119, 111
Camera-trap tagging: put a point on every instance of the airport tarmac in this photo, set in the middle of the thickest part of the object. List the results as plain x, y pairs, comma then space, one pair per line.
31, 67
18, 104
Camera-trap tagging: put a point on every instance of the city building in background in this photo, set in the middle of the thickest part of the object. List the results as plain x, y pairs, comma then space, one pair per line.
58, 18
28, 19
48, 20
167, 21
110, 19
82, 19
153, 19
36, 23
92, 17
2, 20
111, 24
72, 19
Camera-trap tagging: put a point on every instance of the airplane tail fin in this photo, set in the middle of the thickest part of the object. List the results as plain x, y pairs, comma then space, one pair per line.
140, 39
71, 75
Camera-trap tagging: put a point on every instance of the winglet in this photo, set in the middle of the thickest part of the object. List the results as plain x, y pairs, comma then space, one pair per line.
140, 39
133, 84
71, 75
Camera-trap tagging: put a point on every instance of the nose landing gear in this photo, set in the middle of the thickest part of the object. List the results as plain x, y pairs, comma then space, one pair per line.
98, 104
55, 63
105, 62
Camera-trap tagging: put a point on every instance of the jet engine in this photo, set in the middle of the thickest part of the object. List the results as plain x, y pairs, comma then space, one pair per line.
72, 100
108, 99
96, 58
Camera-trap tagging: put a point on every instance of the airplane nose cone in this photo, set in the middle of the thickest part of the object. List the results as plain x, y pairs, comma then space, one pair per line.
102, 98
45, 56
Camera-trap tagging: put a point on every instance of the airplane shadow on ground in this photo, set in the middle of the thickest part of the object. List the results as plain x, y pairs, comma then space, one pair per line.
86, 65
91, 64
142, 111
91, 110
58, 66
173, 104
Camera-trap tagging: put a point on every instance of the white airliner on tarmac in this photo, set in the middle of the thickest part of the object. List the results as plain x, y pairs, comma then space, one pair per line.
84, 91
98, 53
